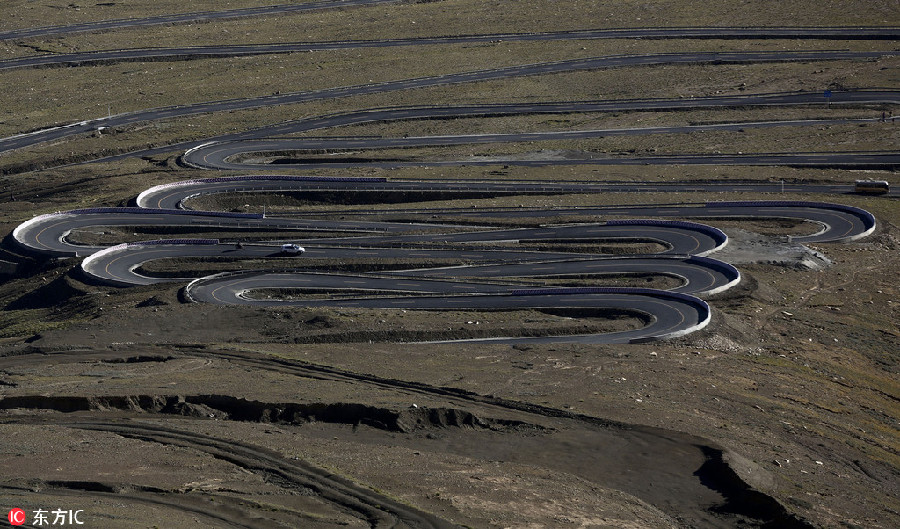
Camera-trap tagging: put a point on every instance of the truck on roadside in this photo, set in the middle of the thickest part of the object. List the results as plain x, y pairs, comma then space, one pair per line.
871, 187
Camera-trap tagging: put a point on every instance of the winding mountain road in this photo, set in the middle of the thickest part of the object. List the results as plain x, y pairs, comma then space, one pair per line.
120, 120
505, 257
489, 254
494, 267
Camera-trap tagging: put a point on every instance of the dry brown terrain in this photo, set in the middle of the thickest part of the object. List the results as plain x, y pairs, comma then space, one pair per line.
146, 411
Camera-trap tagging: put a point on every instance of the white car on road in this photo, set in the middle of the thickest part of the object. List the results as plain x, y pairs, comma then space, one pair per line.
292, 249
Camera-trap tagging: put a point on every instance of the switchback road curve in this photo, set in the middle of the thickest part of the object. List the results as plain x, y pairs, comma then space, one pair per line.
839, 222
497, 267
501, 268
234, 155
237, 151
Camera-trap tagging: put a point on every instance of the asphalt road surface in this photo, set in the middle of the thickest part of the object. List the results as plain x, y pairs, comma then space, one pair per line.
121, 120
193, 52
499, 256
231, 152
500, 265
184, 18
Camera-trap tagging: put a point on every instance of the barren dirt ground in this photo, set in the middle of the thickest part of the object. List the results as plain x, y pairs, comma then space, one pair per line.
142, 410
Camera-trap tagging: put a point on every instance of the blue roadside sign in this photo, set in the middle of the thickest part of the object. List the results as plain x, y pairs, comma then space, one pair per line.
827, 94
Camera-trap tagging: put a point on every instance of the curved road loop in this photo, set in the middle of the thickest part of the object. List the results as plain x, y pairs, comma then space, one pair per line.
593, 63
493, 268
503, 266
488, 280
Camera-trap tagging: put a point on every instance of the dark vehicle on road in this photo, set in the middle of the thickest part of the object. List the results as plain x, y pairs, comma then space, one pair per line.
872, 187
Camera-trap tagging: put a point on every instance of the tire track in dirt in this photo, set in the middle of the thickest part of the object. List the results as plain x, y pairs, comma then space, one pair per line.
702, 472
293, 475
214, 508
